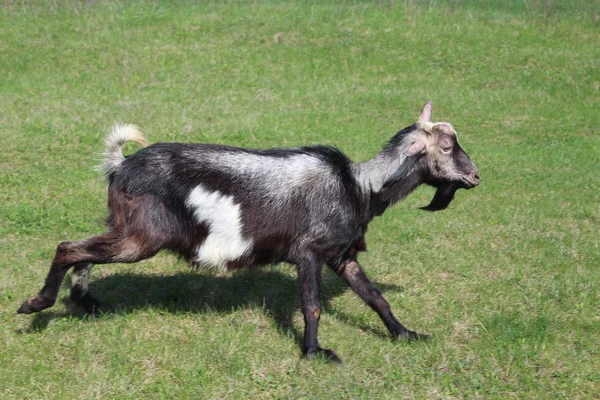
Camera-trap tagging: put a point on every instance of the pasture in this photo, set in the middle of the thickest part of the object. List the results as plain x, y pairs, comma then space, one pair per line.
507, 280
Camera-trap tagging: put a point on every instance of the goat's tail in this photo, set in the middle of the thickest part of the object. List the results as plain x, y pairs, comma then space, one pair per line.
116, 139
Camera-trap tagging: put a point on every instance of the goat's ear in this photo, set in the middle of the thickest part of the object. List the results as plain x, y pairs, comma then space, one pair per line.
416, 147
426, 113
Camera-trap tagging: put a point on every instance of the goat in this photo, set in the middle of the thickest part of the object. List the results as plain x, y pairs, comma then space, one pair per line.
226, 207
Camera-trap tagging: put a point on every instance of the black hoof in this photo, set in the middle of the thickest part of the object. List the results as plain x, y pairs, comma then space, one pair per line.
327, 354
34, 304
87, 302
411, 336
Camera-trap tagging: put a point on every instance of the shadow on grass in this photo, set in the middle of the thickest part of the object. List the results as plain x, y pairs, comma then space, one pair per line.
193, 292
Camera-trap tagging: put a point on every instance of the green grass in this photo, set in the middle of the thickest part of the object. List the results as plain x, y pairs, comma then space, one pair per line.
506, 280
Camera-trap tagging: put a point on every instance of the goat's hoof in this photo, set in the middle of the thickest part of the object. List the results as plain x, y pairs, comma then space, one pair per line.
87, 302
327, 354
34, 304
411, 336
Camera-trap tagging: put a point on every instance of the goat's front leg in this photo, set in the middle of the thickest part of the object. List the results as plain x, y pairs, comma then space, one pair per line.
351, 272
309, 281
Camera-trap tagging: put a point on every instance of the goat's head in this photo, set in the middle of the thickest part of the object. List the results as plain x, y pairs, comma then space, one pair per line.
445, 165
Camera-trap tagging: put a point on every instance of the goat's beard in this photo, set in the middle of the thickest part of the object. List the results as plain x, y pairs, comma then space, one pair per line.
443, 196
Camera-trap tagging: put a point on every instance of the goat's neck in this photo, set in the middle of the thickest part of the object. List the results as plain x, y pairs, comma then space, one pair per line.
386, 169
387, 179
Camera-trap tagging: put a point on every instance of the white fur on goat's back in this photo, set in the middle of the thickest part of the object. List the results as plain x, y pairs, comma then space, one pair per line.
277, 176
224, 242
116, 139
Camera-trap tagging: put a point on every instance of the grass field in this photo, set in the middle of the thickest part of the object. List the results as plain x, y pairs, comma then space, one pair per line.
507, 280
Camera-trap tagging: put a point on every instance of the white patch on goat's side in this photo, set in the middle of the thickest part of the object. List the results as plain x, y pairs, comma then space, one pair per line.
224, 242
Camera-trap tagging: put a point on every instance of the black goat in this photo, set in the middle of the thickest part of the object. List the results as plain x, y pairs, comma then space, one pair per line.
228, 207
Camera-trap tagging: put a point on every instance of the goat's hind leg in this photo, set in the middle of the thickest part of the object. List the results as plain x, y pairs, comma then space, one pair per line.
79, 288
67, 254
109, 248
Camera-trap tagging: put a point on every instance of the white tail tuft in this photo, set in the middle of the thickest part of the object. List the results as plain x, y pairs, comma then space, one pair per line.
116, 139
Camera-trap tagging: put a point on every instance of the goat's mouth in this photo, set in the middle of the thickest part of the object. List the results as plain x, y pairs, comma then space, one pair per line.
469, 182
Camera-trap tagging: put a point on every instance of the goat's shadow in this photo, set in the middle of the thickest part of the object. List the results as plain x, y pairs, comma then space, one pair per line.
194, 292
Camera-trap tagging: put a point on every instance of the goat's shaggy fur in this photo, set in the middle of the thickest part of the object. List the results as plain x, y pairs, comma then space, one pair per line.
225, 207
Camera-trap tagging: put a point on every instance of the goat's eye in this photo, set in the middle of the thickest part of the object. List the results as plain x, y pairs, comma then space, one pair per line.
446, 150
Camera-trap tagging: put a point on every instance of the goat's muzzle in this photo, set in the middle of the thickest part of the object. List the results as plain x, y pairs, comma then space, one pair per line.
471, 180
